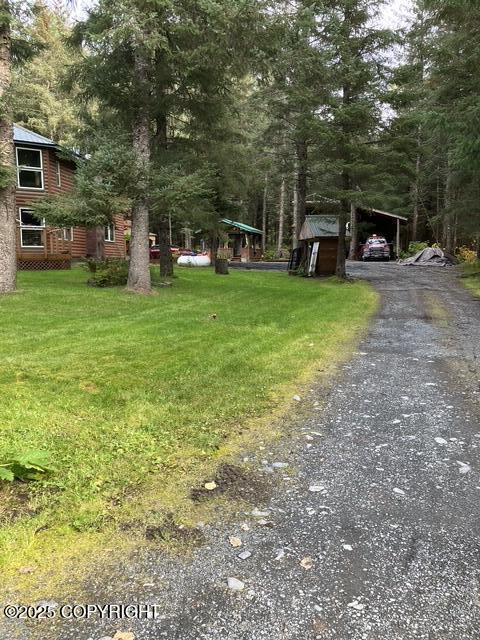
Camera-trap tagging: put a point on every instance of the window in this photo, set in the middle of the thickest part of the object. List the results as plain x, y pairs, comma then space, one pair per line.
110, 233
29, 168
31, 229
66, 233
58, 174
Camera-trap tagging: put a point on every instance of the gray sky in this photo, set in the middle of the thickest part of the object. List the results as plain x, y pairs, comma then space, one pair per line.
395, 12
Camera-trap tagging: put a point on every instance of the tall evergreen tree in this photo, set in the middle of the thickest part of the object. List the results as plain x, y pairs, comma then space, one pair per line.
8, 265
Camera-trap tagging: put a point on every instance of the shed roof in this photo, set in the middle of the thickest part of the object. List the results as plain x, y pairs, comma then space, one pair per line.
319, 226
25, 136
242, 226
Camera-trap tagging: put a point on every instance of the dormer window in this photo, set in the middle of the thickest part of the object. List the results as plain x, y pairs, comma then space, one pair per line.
29, 168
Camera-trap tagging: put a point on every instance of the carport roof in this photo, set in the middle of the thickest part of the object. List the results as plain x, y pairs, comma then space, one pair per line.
322, 200
385, 213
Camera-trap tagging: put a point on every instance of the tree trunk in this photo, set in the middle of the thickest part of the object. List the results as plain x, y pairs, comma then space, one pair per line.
302, 182
353, 233
295, 214
301, 186
96, 243
221, 266
345, 208
139, 280
281, 215
214, 242
166, 263
8, 257
448, 220
416, 199
478, 246
264, 215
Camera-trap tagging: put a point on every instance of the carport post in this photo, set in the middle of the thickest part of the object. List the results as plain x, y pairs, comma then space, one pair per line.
398, 238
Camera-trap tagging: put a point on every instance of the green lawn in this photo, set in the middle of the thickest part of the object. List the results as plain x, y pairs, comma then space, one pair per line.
117, 387
472, 277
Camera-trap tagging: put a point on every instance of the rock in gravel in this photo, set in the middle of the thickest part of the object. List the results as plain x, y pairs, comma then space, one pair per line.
124, 635
348, 547
256, 513
245, 555
279, 465
358, 606
306, 563
280, 554
266, 523
316, 488
399, 492
441, 441
297, 398
464, 467
235, 584
235, 542
211, 486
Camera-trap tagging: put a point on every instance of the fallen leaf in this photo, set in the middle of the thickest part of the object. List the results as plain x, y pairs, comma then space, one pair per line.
26, 570
124, 635
306, 563
319, 626
211, 486
235, 542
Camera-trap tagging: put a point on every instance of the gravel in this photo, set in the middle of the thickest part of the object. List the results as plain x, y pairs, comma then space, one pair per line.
393, 549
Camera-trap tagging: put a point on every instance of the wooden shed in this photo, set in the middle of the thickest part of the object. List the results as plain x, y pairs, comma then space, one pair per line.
320, 232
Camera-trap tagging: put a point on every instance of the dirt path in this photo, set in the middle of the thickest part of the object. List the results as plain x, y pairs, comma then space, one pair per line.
384, 505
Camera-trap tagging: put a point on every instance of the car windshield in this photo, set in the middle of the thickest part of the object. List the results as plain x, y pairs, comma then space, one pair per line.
376, 241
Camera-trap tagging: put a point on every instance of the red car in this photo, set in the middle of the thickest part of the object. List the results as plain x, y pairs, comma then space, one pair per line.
175, 251
376, 248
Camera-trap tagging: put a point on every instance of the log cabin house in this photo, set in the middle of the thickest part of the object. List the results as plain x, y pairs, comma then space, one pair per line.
42, 170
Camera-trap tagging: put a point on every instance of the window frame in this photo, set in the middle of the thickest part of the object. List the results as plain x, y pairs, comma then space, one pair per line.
30, 227
58, 174
109, 237
39, 170
64, 232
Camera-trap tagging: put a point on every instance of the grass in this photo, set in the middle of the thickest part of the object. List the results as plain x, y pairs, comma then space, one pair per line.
471, 275
125, 392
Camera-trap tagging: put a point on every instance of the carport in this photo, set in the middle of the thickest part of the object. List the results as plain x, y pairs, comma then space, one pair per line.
390, 225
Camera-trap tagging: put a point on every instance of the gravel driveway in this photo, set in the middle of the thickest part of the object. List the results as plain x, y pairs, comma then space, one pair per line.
372, 530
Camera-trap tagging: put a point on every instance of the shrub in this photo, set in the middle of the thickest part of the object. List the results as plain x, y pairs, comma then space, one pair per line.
27, 465
111, 272
464, 254
413, 248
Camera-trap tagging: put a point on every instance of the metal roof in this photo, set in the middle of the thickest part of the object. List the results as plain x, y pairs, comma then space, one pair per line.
315, 199
25, 136
385, 213
242, 226
319, 226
